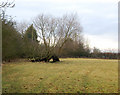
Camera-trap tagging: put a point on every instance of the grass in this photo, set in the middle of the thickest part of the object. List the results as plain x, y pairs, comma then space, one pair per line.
71, 75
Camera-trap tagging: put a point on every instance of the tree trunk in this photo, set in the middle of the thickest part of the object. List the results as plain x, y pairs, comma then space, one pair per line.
47, 59
55, 58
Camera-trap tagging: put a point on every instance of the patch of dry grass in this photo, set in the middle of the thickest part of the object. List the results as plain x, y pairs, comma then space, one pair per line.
71, 75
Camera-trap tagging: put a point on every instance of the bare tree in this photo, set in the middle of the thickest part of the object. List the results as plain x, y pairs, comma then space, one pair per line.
54, 32
68, 27
22, 27
3, 6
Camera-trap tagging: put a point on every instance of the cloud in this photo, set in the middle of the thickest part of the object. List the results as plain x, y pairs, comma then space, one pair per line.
99, 18
102, 42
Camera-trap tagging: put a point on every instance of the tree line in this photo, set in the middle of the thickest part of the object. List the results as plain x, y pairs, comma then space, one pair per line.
47, 37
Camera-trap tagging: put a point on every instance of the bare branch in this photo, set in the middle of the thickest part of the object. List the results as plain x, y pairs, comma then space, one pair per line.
55, 31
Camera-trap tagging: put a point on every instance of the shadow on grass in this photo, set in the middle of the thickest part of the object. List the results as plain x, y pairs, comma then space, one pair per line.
58, 62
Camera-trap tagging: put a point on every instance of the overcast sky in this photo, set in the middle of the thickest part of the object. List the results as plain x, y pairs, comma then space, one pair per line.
99, 18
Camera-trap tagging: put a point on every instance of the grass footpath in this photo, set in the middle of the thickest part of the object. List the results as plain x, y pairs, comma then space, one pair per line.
71, 75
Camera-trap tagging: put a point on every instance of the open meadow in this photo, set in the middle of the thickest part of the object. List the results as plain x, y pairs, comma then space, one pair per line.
70, 75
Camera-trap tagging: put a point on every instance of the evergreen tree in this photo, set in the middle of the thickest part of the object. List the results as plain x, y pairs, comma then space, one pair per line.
31, 43
31, 34
11, 42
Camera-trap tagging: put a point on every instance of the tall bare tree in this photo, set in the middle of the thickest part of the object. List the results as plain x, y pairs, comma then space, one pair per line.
54, 32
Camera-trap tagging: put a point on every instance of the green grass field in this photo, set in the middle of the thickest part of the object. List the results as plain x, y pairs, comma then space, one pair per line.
71, 75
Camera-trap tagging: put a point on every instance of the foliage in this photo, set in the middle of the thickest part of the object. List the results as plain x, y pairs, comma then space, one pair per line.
31, 44
11, 42
58, 37
31, 34
74, 48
